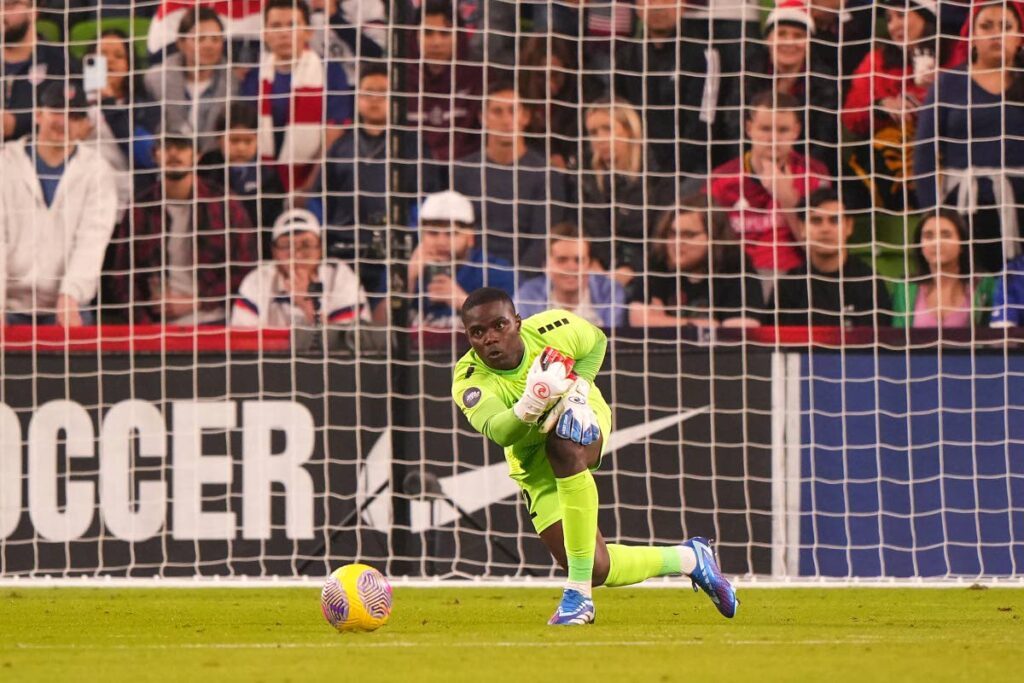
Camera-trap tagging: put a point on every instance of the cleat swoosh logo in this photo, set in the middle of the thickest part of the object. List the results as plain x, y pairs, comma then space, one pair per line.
475, 489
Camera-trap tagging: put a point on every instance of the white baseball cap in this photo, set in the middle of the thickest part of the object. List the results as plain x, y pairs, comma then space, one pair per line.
296, 220
448, 206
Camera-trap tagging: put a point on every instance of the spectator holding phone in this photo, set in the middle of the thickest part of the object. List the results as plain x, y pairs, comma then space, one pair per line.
447, 264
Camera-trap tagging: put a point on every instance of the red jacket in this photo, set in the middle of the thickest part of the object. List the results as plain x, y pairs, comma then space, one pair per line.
873, 81
764, 232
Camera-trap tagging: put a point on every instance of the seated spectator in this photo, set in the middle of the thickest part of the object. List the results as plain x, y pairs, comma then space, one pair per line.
833, 288
123, 134
595, 24
444, 85
514, 191
193, 85
27, 64
568, 282
235, 166
180, 254
884, 103
786, 68
943, 294
621, 198
970, 152
298, 96
355, 190
699, 274
842, 35
687, 119
59, 205
348, 31
549, 83
1008, 298
446, 265
763, 188
299, 287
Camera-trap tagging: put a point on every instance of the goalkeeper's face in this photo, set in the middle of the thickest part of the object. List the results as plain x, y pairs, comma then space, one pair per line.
493, 331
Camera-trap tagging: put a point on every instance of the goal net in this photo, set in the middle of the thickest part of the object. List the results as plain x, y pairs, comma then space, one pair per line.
236, 238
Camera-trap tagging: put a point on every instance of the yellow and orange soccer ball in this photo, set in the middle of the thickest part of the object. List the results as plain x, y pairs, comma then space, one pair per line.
356, 597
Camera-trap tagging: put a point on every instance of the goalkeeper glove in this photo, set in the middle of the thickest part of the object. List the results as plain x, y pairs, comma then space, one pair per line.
574, 417
549, 377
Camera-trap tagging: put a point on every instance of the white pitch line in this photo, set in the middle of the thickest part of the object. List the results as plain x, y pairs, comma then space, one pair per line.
856, 640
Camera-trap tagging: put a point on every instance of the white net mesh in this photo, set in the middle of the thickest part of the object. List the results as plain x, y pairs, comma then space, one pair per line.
231, 318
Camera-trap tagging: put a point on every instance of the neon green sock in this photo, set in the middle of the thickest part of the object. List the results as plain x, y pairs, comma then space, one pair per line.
631, 564
577, 496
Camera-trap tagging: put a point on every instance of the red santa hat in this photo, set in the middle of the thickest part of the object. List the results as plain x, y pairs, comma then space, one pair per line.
793, 12
958, 55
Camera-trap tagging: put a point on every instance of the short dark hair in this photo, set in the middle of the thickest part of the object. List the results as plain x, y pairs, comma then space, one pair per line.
442, 7
195, 17
239, 114
373, 68
823, 195
486, 295
769, 99
961, 230
500, 84
564, 231
287, 4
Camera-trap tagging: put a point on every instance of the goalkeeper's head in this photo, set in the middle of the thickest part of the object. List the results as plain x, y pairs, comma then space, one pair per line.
492, 327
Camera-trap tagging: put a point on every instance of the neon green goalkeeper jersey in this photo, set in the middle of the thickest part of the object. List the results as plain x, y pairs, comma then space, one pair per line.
486, 395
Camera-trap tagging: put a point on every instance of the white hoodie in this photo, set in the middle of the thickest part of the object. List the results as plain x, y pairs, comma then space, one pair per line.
49, 251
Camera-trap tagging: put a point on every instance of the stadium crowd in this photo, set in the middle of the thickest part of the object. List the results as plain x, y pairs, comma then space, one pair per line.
647, 163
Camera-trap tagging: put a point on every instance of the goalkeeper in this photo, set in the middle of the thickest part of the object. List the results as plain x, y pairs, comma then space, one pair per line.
528, 386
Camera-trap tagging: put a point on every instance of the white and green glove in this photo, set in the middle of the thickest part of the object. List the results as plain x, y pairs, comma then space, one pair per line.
572, 417
549, 378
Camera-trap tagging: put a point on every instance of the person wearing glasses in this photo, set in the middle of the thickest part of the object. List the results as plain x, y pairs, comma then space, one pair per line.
299, 287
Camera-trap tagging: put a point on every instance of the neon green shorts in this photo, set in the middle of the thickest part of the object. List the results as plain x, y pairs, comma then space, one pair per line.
537, 480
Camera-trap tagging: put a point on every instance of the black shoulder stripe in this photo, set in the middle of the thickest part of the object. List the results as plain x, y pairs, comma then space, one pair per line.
469, 373
551, 326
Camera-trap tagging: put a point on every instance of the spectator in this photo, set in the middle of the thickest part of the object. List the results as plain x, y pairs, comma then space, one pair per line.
548, 79
123, 133
884, 103
842, 35
235, 166
59, 207
512, 188
687, 119
194, 84
1008, 298
299, 287
444, 85
568, 282
297, 95
970, 152
240, 19
785, 68
763, 188
728, 28
595, 24
943, 294
833, 288
354, 192
446, 265
182, 251
348, 31
27, 64
699, 274
621, 198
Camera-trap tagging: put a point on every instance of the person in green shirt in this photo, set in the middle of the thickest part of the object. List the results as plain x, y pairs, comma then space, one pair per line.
528, 386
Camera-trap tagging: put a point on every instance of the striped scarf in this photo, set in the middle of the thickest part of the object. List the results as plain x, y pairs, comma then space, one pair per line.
303, 133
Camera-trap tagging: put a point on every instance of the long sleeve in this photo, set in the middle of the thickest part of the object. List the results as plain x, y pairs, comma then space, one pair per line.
95, 227
498, 423
859, 104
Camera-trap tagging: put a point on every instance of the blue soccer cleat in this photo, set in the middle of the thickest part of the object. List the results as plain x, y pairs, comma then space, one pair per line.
575, 609
709, 578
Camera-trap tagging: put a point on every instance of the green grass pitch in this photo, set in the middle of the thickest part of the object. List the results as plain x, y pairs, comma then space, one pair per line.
498, 634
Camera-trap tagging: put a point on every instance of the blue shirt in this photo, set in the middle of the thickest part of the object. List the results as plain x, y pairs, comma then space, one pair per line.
338, 108
1008, 299
49, 176
475, 271
607, 298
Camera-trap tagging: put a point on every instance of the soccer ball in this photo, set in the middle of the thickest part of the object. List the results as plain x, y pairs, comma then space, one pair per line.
356, 597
